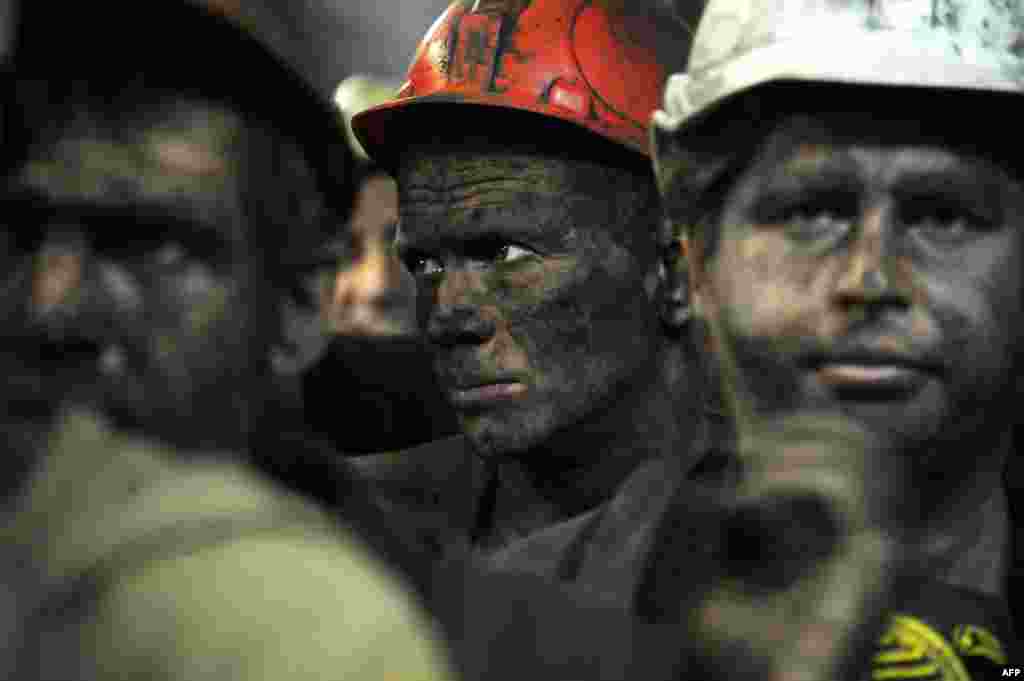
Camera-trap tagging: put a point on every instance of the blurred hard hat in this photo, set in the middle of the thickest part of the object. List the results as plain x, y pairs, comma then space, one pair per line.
596, 64
938, 44
257, 53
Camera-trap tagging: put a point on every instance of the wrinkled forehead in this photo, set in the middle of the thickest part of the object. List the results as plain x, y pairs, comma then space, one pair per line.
453, 199
446, 166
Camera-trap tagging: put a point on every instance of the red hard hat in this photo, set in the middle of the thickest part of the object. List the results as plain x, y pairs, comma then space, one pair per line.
596, 64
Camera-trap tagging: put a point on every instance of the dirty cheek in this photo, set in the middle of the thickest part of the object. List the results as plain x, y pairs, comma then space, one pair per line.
541, 312
199, 304
980, 295
921, 293
767, 291
530, 286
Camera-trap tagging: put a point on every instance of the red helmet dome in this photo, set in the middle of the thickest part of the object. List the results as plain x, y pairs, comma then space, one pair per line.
596, 64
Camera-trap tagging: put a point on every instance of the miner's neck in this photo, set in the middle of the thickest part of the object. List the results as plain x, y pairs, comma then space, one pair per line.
970, 542
582, 466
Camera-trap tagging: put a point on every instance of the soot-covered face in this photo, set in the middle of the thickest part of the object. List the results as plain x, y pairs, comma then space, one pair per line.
535, 306
864, 266
131, 284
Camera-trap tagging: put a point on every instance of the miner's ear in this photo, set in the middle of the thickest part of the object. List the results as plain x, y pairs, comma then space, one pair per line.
678, 173
686, 168
673, 277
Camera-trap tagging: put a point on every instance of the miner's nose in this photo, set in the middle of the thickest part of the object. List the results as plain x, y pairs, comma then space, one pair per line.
866, 278
456, 316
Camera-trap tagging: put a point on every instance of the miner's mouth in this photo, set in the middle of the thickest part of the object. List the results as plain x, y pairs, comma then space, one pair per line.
481, 394
873, 376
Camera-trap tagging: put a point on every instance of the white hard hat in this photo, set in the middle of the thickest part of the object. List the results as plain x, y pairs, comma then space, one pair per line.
945, 44
743, 45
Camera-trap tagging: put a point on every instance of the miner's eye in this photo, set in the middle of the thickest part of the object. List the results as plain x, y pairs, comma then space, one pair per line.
511, 253
815, 225
154, 241
421, 264
814, 218
942, 220
487, 252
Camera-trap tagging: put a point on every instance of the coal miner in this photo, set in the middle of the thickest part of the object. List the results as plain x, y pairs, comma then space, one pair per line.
165, 227
856, 250
373, 390
528, 216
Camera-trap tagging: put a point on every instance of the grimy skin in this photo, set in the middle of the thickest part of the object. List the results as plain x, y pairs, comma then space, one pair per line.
133, 287
856, 234
540, 269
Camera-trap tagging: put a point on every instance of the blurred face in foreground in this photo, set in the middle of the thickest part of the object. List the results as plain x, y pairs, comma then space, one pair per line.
132, 284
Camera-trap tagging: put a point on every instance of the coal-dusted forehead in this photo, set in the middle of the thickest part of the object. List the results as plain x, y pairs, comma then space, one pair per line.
462, 125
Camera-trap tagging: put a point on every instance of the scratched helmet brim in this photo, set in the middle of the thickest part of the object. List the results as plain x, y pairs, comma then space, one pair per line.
384, 129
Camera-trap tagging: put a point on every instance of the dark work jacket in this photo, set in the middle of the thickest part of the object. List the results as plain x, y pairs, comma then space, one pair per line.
603, 552
441, 483
452, 489
636, 554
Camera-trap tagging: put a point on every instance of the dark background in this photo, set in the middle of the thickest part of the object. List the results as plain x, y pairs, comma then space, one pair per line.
379, 37
370, 36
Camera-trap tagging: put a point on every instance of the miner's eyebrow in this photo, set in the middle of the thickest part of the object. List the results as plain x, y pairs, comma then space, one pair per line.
837, 172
